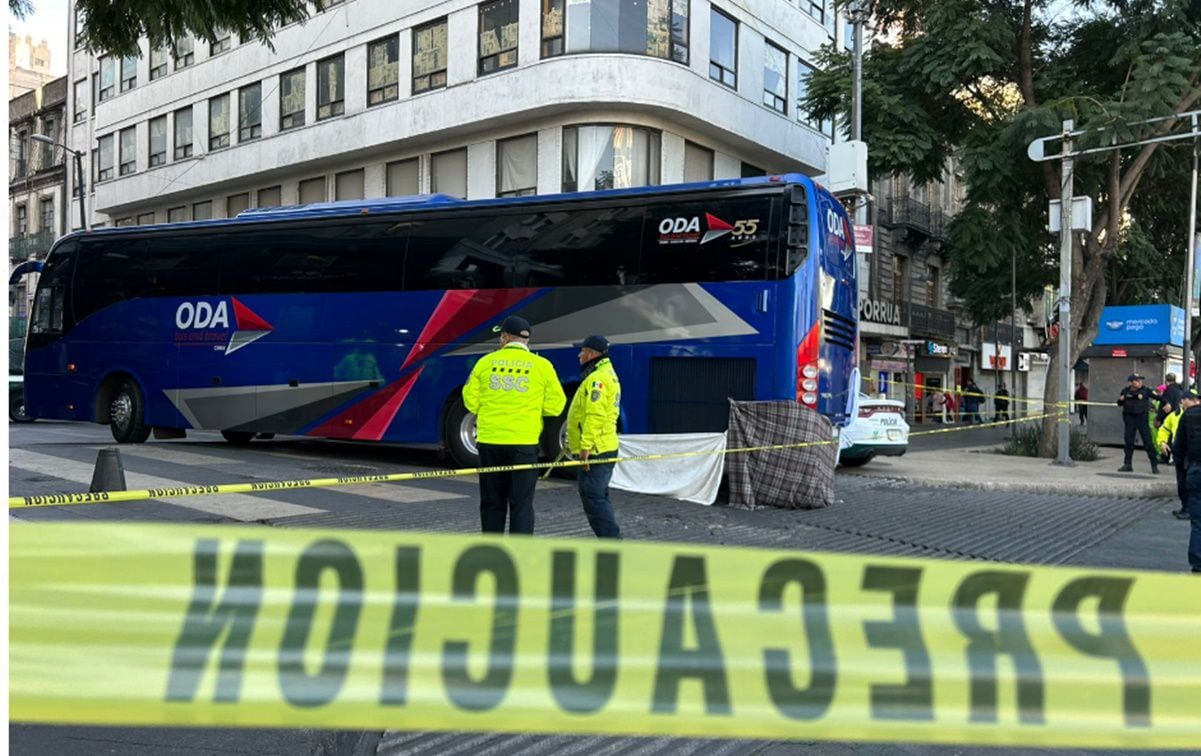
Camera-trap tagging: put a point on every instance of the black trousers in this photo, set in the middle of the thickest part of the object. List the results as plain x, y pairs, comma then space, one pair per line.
1139, 423
507, 493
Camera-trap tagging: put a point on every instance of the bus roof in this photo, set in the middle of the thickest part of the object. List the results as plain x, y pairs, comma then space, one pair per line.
387, 205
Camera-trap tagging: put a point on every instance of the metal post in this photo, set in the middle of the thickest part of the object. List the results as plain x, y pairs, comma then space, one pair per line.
1013, 339
83, 216
857, 15
1189, 263
1064, 429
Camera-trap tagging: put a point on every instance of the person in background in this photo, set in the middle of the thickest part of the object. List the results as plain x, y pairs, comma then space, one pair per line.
1001, 402
510, 391
1170, 401
1081, 402
1187, 449
1135, 401
592, 432
1165, 437
973, 397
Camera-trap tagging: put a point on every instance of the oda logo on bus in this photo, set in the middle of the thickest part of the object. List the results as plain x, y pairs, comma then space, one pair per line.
208, 323
687, 230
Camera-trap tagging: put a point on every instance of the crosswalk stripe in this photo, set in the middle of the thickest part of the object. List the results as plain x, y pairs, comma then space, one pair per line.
171, 454
235, 506
400, 493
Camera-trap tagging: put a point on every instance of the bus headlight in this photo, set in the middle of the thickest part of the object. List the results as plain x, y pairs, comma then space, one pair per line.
809, 398
809, 371
809, 384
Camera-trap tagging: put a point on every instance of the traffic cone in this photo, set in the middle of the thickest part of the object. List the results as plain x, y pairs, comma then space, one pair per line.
109, 474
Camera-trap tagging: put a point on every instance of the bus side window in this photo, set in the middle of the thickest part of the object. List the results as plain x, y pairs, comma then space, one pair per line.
50, 317
459, 252
723, 240
329, 257
595, 246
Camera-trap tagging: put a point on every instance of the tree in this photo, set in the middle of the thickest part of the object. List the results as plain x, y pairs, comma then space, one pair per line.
20, 9
980, 79
116, 27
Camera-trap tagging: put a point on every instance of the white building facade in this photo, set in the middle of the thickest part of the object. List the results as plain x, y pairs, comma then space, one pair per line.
473, 99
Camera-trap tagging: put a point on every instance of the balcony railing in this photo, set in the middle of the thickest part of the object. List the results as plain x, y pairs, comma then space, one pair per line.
21, 248
908, 212
930, 321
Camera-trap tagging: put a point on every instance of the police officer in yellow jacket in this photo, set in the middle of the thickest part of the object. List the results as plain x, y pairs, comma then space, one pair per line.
1165, 437
510, 391
592, 432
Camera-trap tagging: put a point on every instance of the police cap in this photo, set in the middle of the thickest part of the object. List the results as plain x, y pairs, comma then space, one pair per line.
514, 326
1134, 377
595, 342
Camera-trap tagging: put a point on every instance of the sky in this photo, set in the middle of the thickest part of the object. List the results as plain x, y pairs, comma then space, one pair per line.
48, 22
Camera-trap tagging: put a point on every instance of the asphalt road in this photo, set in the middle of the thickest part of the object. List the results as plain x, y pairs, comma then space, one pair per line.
870, 516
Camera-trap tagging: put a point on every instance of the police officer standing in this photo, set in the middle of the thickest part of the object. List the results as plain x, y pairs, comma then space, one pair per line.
1187, 449
1135, 401
510, 391
592, 432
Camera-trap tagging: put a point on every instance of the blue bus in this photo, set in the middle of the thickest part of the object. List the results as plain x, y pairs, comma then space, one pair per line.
361, 320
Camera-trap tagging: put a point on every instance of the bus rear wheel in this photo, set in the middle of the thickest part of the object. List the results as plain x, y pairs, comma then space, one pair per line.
458, 434
127, 415
237, 438
16, 407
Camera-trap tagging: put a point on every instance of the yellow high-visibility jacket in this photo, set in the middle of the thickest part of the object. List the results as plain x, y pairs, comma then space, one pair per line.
592, 418
1166, 434
510, 391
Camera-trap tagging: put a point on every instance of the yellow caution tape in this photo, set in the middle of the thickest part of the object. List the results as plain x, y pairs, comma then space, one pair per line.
201, 625
113, 497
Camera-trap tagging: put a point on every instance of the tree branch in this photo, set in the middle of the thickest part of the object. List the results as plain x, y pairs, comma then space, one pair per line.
1135, 172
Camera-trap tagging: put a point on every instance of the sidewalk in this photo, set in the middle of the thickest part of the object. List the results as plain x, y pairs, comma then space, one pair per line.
983, 468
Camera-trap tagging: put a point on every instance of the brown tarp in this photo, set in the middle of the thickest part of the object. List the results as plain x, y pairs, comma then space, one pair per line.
801, 478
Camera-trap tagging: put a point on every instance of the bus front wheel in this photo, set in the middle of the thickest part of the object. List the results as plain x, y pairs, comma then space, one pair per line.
127, 414
458, 434
237, 438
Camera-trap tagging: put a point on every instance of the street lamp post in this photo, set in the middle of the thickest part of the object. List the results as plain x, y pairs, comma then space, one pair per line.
44, 139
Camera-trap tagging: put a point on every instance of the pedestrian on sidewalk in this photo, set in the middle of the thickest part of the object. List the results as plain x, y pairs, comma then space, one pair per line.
592, 432
1170, 401
1081, 402
510, 391
1135, 401
1165, 437
1001, 403
972, 399
1188, 449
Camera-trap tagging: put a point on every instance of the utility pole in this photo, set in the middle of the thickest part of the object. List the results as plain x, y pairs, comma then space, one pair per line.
1064, 425
1190, 263
79, 183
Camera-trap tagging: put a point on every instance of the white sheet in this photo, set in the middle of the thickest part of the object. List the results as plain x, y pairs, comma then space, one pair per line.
687, 478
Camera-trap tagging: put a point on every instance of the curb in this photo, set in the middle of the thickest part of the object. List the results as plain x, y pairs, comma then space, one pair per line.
1148, 490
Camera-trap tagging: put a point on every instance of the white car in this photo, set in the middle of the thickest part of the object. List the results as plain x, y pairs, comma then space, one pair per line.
880, 430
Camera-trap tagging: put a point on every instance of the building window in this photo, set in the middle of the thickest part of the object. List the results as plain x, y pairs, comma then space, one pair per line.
698, 163
108, 79
129, 151
448, 173
291, 99
250, 112
331, 87
312, 190
219, 122
146, 219
236, 203
349, 185
723, 48
158, 63
609, 157
658, 28
126, 221
429, 56
183, 133
129, 73
775, 78
272, 196
105, 157
498, 36
517, 166
815, 8
403, 178
749, 170
185, 53
804, 71
383, 70
158, 141
81, 100
177, 214
223, 43
22, 220
81, 17
202, 211
46, 214
18, 152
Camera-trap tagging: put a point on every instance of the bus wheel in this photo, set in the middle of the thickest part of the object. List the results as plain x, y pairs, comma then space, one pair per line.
16, 407
237, 438
126, 415
553, 445
458, 433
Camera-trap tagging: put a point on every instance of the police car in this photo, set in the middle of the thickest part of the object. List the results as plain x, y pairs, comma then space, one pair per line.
879, 430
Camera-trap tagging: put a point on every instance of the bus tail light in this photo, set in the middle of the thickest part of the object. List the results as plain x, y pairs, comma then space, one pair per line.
807, 355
